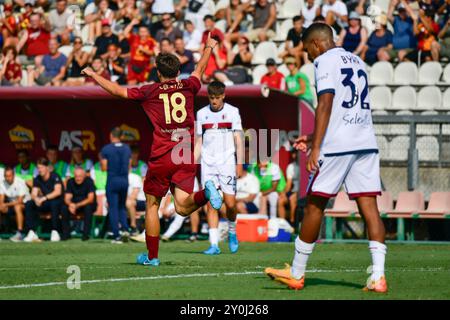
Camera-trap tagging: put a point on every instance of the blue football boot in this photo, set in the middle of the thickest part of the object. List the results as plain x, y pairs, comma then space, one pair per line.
212, 250
144, 260
213, 195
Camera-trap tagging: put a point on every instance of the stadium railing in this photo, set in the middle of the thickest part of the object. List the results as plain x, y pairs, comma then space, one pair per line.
419, 145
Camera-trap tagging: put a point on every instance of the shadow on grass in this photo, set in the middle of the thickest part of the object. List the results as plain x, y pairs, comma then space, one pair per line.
310, 282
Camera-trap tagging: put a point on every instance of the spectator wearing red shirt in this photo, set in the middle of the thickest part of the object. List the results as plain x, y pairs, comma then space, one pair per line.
11, 72
142, 49
9, 26
99, 68
35, 38
210, 26
273, 78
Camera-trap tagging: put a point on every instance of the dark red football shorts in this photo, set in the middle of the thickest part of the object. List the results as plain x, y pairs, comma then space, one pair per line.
163, 174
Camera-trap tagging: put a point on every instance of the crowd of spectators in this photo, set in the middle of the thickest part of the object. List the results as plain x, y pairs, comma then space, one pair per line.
53, 40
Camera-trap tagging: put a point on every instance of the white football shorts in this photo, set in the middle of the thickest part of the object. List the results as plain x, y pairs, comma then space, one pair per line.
360, 174
223, 176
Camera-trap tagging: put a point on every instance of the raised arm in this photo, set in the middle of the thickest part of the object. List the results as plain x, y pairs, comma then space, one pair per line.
109, 86
203, 62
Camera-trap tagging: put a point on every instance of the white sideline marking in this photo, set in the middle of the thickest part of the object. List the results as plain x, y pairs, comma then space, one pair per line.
194, 275
47, 284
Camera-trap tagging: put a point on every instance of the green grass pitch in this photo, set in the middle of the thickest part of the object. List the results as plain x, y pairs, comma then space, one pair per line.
337, 271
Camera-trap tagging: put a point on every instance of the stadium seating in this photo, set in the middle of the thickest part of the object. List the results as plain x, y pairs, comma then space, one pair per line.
446, 74
284, 70
284, 28
430, 73
24, 81
428, 147
87, 48
397, 149
290, 8
367, 23
445, 101
380, 98
429, 98
342, 207
385, 202
438, 206
406, 73
65, 50
381, 73
404, 98
308, 69
258, 73
408, 202
382, 4
263, 51
221, 25
222, 4
383, 146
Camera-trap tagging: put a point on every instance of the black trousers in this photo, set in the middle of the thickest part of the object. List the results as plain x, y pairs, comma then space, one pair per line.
32, 213
87, 210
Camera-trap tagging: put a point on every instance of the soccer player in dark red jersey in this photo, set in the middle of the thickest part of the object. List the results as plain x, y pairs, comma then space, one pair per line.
170, 107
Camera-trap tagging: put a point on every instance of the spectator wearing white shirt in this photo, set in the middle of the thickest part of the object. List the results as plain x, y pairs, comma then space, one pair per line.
335, 14
309, 12
247, 193
13, 195
59, 20
163, 6
196, 10
135, 200
192, 36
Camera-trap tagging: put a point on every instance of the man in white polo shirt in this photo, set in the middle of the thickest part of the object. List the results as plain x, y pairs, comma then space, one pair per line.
13, 195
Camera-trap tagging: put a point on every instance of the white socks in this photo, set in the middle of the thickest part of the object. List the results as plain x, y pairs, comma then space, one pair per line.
176, 224
232, 226
302, 252
214, 236
378, 252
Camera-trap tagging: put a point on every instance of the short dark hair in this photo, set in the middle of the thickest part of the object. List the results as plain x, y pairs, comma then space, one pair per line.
52, 147
168, 65
23, 151
9, 168
216, 88
116, 132
315, 28
187, 22
319, 18
135, 148
43, 161
208, 17
297, 18
164, 39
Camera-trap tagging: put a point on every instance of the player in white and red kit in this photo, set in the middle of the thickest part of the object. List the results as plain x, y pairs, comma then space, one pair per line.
343, 152
169, 105
219, 136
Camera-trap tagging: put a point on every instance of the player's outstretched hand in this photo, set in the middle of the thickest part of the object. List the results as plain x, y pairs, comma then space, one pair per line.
302, 143
87, 72
210, 42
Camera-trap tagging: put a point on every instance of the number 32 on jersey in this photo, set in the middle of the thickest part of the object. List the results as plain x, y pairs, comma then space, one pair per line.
355, 97
176, 102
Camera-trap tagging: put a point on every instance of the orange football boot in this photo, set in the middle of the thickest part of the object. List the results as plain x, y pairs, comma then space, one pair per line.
379, 286
284, 276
